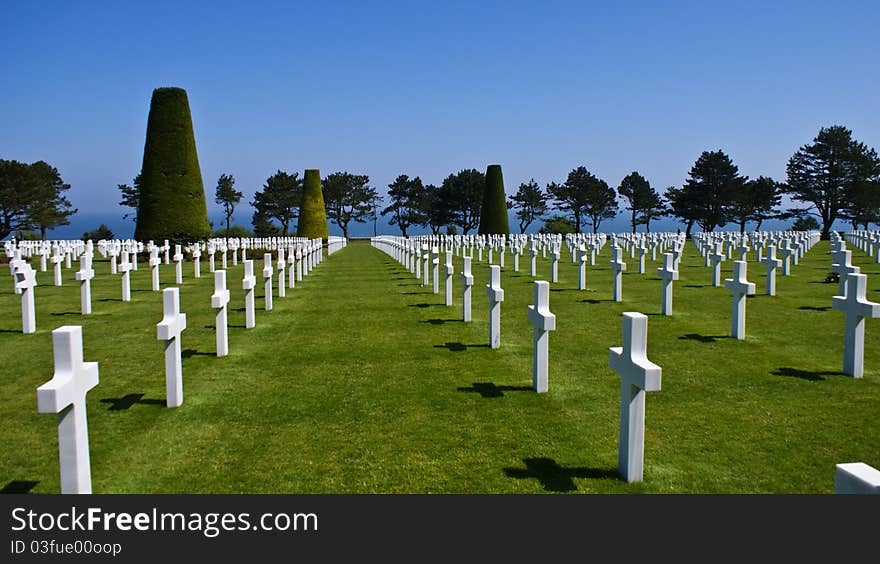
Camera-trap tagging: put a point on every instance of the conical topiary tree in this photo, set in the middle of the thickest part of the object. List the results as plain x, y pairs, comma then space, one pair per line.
312, 214
493, 215
172, 196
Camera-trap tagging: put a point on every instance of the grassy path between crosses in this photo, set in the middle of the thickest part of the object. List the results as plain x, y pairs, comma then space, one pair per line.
361, 380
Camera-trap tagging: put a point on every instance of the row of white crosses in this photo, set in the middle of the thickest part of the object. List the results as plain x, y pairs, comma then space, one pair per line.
65, 393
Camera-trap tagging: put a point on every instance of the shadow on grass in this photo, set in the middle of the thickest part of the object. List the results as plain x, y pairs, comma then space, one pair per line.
815, 308
189, 353
703, 338
458, 347
490, 390
697, 285
423, 305
128, 400
812, 376
593, 301
556, 478
56, 313
18, 487
441, 321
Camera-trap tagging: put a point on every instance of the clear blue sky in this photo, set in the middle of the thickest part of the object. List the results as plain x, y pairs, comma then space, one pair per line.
429, 88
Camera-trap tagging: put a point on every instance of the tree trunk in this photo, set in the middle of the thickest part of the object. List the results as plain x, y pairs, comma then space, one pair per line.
633, 220
742, 227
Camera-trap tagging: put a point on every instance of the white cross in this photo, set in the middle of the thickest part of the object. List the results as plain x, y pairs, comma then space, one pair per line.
84, 277
534, 256
154, 266
282, 268
291, 265
65, 394
268, 272
618, 266
219, 301
178, 265
554, 264
450, 270
772, 263
114, 252
247, 284
641, 250
196, 255
467, 280
785, 253
842, 266
582, 270
26, 281
169, 329
856, 307
743, 249
435, 263
542, 323
425, 258
668, 274
740, 288
125, 269
637, 376
496, 296
717, 258
57, 259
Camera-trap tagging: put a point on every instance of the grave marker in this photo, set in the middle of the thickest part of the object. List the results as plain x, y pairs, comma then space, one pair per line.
169, 329
543, 321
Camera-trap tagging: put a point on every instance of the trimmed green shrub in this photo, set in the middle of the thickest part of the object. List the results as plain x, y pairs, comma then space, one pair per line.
493, 215
312, 214
172, 198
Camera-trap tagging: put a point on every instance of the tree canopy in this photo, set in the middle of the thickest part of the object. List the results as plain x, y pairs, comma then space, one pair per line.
279, 200
227, 196
348, 197
831, 169
32, 197
530, 203
406, 207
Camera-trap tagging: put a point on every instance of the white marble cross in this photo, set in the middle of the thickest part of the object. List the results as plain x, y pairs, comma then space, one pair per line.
169, 329
533, 252
281, 271
637, 376
417, 259
856, 307
268, 272
467, 281
618, 266
65, 394
166, 247
299, 263
84, 277
219, 301
582, 270
668, 274
435, 269
641, 251
425, 258
154, 267
26, 281
843, 266
554, 264
496, 296
450, 270
740, 288
212, 250
742, 249
125, 269
178, 265
114, 252
717, 258
57, 259
785, 253
248, 283
543, 321
196, 255
291, 265
772, 263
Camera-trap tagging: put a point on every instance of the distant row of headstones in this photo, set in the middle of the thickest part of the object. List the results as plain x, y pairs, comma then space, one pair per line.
639, 375
65, 393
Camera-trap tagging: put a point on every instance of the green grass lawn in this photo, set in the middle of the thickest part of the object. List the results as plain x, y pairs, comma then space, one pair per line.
361, 380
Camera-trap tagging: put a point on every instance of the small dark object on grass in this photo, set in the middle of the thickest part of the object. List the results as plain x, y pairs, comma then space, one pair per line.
832, 277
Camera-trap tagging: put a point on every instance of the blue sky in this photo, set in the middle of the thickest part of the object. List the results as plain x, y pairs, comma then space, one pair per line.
429, 88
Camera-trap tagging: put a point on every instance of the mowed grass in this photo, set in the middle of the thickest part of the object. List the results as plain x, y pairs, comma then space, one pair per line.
361, 380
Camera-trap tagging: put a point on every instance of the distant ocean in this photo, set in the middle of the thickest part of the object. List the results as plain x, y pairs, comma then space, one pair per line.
124, 228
